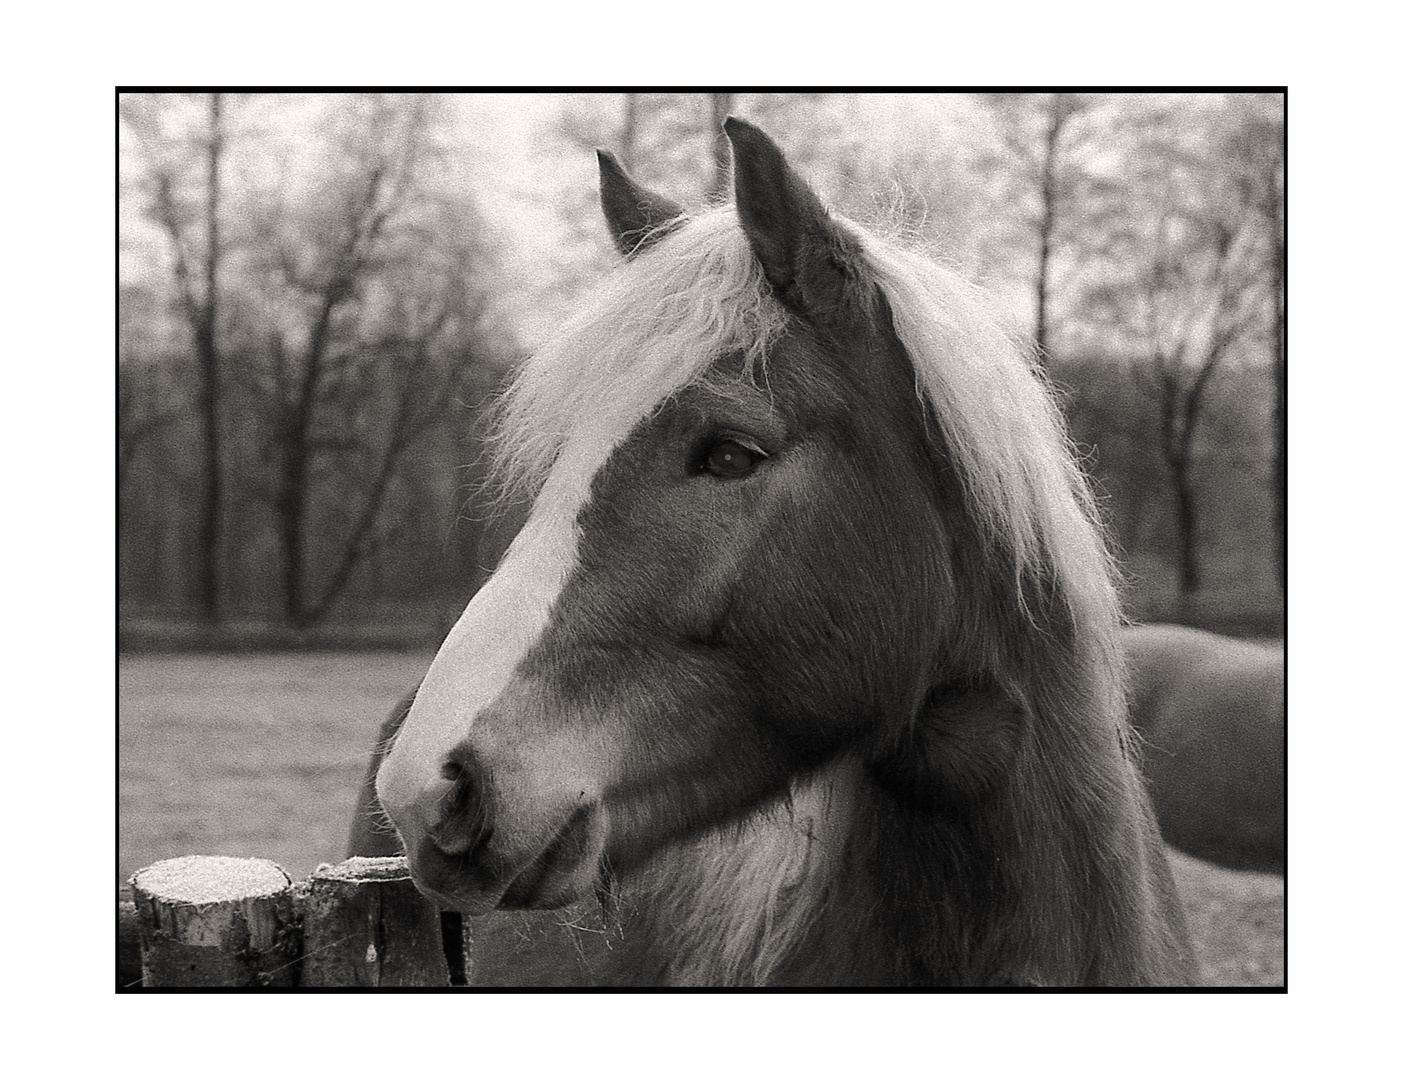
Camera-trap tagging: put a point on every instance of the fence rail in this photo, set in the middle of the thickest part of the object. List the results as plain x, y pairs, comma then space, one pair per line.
210, 920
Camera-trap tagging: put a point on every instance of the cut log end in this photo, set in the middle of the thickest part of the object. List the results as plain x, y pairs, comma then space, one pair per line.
212, 920
364, 868
210, 879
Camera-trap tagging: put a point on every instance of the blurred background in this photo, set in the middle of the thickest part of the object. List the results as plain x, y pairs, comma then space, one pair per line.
318, 294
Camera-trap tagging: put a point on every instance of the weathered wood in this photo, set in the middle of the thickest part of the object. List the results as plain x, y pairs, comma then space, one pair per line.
212, 920
128, 940
457, 947
365, 924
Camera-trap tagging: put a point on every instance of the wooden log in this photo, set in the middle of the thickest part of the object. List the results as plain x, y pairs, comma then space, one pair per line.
128, 940
212, 920
365, 924
457, 947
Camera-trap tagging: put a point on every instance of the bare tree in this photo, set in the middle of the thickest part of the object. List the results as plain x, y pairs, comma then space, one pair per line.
1259, 151
1045, 139
145, 409
341, 321
628, 131
1195, 323
721, 106
371, 357
148, 399
1194, 285
196, 251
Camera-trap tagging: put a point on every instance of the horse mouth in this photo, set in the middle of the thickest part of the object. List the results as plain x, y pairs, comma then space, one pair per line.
562, 871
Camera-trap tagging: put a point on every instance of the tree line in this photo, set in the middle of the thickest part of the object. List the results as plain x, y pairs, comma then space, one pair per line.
308, 358
311, 315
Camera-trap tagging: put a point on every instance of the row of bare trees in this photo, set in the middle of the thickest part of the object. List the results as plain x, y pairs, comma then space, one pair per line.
312, 317
1156, 229
327, 318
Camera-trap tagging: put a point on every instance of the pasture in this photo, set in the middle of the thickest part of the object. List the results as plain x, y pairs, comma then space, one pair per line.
262, 754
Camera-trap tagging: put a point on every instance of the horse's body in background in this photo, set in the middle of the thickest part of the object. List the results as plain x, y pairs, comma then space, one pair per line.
805, 668
1211, 712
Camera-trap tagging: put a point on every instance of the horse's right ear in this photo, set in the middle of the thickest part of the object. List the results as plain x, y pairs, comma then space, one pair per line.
637, 217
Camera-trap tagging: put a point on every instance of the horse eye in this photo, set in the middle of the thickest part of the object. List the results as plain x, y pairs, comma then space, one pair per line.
728, 459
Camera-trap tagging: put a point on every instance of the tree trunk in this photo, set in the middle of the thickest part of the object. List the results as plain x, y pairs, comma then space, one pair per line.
206, 349
290, 505
1040, 283
1279, 380
294, 493
1279, 460
355, 544
1047, 222
1187, 520
1176, 425
628, 132
721, 105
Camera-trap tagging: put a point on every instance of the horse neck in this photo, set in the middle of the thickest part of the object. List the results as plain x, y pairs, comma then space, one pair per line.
764, 901
835, 885
842, 885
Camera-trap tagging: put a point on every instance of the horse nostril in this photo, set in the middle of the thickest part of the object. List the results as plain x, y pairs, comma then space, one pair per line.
462, 816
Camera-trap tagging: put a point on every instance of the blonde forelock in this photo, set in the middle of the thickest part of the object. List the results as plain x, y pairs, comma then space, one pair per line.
653, 327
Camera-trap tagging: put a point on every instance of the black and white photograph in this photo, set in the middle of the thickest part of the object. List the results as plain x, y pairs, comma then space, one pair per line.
709, 539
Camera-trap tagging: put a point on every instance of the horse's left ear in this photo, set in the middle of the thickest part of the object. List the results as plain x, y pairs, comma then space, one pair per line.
808, 258
637, 217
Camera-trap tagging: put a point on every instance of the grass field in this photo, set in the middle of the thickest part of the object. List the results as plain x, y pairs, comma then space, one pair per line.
262, 754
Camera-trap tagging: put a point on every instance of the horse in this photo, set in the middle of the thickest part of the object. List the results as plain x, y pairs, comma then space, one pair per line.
804, 669
1211, 713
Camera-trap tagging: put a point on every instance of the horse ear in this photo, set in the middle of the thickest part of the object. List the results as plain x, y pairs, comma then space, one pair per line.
637, 217
807, 257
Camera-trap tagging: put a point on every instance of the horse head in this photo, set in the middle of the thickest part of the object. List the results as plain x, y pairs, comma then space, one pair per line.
719, 588
799, 507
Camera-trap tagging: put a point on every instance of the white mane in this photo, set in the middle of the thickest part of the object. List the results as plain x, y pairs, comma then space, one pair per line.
1006, 434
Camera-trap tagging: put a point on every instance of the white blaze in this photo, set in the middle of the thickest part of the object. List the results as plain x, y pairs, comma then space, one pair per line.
497, 629
655, 326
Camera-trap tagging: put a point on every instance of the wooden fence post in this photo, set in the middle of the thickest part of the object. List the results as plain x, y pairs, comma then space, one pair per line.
211, 920
128, 940
366, 924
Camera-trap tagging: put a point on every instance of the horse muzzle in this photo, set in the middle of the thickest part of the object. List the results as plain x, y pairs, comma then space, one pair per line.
479, 838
